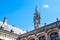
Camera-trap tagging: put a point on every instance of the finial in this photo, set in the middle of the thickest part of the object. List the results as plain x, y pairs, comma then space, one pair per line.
45, 24
57, 19
36, 9
14, 25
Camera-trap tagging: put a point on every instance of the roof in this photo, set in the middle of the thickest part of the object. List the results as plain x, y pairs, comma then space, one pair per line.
8, 27
42, 29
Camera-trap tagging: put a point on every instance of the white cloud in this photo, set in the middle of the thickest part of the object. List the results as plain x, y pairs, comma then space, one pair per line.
45, 6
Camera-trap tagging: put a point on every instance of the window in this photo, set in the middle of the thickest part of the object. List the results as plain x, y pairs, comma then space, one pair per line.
42, 38
54, 36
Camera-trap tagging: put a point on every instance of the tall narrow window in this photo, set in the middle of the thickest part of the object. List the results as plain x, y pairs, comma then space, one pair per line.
42, 38
54, 36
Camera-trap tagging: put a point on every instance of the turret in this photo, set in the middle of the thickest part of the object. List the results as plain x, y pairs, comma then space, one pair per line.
5, 20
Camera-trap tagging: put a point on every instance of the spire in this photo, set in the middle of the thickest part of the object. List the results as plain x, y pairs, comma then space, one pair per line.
36, 18
36, 12
36, 9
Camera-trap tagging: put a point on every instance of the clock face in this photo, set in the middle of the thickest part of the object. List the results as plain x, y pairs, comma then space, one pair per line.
35, 25
34, 15
36, 21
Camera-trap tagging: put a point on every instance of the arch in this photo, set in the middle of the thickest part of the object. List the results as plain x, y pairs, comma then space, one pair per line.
52, 30
31, 37
23, 39
42, 38
41, 34
54, 36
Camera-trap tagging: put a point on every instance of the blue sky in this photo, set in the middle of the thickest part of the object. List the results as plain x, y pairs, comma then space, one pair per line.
21, 12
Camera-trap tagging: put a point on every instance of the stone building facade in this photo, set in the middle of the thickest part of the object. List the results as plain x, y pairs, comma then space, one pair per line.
9, 32
6, 35
46, 32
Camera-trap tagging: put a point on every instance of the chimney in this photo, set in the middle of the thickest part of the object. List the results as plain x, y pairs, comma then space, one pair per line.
5, 20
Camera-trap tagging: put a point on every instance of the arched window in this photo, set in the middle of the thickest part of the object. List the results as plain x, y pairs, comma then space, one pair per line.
42, 38
54, 36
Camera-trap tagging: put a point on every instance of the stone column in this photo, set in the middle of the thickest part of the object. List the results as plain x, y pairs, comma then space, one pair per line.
36, 38
47, 36
59, 33
26, 38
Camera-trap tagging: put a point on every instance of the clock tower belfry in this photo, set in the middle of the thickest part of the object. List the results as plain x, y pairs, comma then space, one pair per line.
36, 19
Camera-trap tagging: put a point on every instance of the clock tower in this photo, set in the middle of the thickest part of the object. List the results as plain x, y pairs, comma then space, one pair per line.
36, 19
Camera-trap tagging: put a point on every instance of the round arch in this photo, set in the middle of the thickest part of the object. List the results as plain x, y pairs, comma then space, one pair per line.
31, 37
41, 34
54, 36
51, 31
